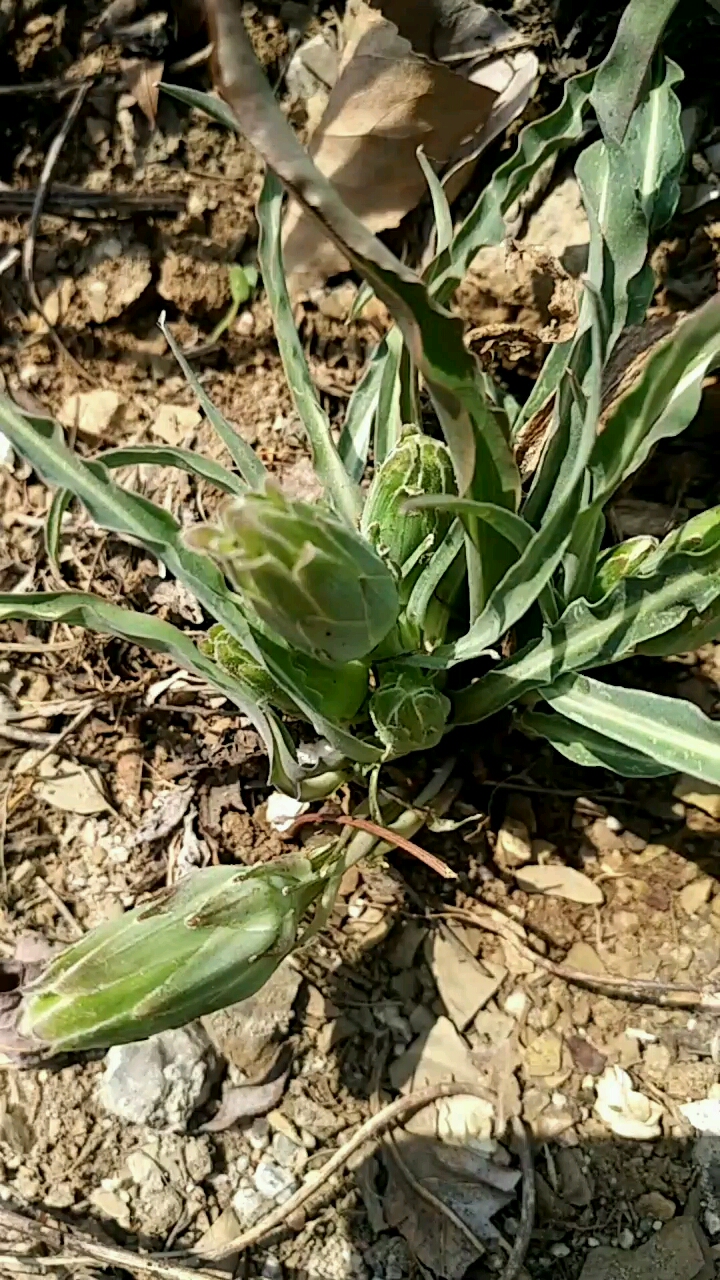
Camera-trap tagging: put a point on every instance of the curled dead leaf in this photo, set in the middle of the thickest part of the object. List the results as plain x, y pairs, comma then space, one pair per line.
557, 881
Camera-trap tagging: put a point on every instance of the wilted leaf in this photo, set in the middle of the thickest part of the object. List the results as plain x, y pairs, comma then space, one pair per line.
75, 788
143, 81
166, 811
560, 882
629, 1114
385, 104
245, 1101
469, 1183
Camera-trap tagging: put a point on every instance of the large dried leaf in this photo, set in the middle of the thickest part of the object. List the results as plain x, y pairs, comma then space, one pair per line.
387, 102
464, 1179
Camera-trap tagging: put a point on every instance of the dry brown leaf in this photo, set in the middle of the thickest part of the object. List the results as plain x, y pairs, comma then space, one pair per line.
386, 103
464, 1179
142, 80
557, 881
74, 788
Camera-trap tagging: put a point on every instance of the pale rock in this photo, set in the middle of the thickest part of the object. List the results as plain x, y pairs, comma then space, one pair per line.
161, 1081
248, 1032
290, 1155
703, 1115
221, 1232
145, 1172
464, 1120
702, 795
91, 413
111, 1205
513, 847
492, 1027
173, 423
696, 894
584, 959
517, 1004
543, 1056
655, 1205
159, 1211
273, 1181
441, 1055
249, 1205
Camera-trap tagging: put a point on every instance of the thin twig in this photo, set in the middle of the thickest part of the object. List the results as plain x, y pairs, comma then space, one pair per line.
86, 1250
77, 202
61, 907
65, 733
28, 260
37, 646
673, 995
381, 833
521, 1243
390, 1114
60, 87
28, 737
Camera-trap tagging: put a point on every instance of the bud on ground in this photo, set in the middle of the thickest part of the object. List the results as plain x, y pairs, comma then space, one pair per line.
213, 939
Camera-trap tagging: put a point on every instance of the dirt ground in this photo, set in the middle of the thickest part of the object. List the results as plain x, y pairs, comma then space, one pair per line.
154, 775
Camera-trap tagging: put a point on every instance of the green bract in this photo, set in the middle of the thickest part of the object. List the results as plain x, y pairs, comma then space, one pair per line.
306, 574
409, 713
231, 657
212, 940
418, 465
621, 562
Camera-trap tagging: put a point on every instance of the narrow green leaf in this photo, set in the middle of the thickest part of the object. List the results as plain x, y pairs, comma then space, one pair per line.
433, 573
662, 402
655, 146
61, 500
637, 610
340, 489
619, 79
510, 526
618, 227
546, 385
167, 456
537, 144
360, 301
671, 731
246, 460
85, 610
388, 422
589, 748
354, 443
441, 208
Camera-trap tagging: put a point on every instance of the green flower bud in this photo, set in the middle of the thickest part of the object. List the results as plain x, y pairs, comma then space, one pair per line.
342, 690
308, 576
213, 939
406, 539
409, 713
231, 657
621, 561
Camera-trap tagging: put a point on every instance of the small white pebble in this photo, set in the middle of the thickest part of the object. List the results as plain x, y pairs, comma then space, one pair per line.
657, 1225
592, 1242
560, 1251
626, 1239
613, 824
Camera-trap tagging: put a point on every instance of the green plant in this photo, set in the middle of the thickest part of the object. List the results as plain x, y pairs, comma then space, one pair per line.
378, 621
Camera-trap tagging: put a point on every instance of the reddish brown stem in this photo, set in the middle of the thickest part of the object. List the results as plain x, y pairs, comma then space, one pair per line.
382, 833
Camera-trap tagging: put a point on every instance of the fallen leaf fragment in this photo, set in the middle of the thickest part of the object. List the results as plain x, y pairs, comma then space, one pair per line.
628, 1113
143, 82
74, 788
166, 811
557, 881
704, 1115
246, 1101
